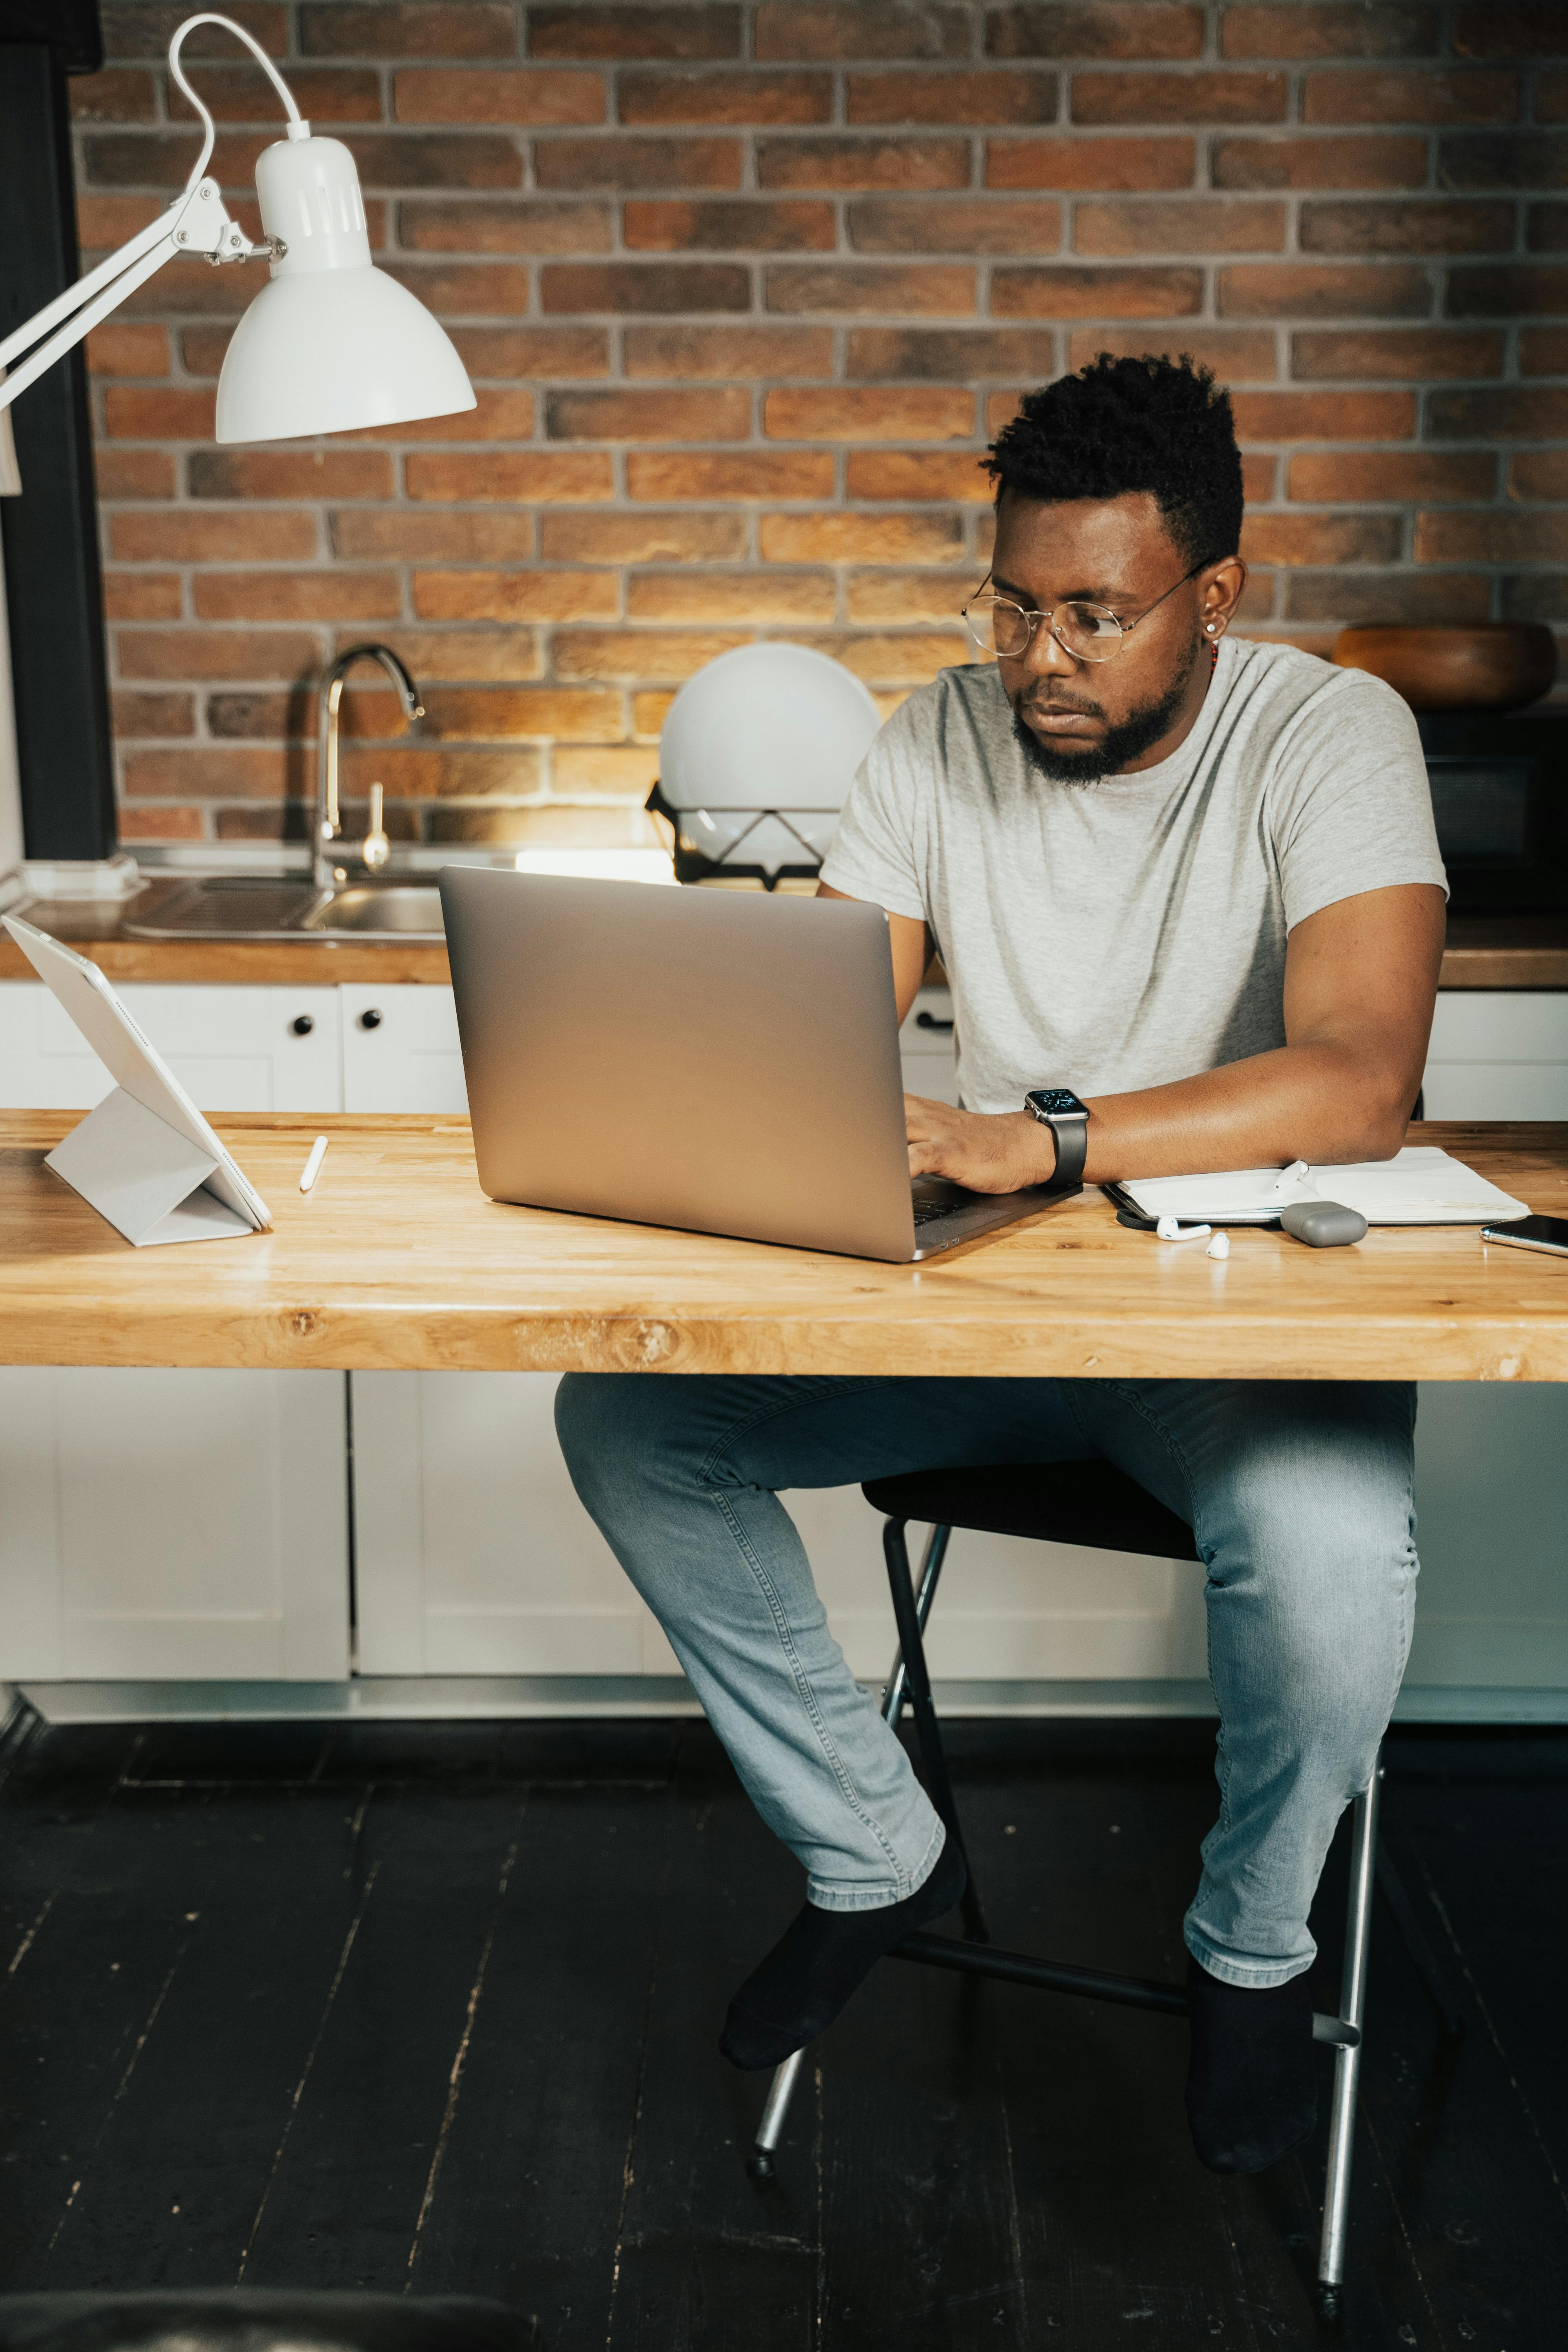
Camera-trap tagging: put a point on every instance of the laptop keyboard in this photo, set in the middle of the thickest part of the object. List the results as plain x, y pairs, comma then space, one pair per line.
934, 1198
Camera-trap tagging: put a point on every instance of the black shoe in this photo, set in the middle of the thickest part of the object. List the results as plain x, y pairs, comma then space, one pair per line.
823, 1956
1252, 2079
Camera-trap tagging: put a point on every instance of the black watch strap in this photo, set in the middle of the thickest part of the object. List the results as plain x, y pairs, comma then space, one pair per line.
1062, 1111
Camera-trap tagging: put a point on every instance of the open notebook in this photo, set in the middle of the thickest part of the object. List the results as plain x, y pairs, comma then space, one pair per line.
1419, 1186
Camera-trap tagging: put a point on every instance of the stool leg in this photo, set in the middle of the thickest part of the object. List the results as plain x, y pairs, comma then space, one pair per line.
907, 1617
1347, 2062
770, 2131
896, 1686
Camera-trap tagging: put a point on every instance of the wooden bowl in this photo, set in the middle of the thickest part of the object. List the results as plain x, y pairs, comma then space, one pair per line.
1488, 666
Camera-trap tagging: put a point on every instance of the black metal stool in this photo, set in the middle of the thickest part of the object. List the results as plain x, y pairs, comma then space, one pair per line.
1093, 1503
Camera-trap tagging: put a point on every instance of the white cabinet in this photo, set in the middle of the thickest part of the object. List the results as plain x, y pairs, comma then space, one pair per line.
1498, 1053
400, 1049
926, 1047
231, 1048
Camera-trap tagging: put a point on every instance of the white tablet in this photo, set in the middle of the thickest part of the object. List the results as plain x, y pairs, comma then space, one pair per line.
183, 1188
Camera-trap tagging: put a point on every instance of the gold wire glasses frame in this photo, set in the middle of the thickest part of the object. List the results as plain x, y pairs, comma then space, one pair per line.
1088, 632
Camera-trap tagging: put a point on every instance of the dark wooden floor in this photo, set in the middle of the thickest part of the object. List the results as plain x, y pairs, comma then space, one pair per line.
435, 2007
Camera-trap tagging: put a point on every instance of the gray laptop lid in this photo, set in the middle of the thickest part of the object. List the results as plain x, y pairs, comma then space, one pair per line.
723, 1061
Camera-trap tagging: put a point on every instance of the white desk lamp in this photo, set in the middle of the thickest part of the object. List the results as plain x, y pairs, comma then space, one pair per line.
330, 343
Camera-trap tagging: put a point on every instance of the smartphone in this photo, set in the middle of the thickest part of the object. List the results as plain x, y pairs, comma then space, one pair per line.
1548, 1234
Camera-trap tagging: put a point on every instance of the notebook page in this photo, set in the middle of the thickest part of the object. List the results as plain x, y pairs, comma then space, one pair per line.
1421, 1185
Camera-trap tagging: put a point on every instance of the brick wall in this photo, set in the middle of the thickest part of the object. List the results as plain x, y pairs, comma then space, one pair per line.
744, 286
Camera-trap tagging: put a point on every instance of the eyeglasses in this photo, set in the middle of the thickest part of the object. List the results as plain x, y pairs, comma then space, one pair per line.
1088, 633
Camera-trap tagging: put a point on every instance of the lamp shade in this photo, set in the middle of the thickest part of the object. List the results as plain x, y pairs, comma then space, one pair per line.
330, 342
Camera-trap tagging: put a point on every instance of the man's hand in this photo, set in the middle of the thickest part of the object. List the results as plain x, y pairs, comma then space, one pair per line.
989, 1153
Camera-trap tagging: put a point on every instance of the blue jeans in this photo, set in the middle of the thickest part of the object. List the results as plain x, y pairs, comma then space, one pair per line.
1299, 1496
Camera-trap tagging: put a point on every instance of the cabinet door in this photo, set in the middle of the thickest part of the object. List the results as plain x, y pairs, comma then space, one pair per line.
231, 1048
926, 1047
1498, 1053
401, 1050
1492, 1491
172, 1525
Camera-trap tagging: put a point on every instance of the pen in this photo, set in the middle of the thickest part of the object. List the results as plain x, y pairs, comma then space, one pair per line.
314, 1165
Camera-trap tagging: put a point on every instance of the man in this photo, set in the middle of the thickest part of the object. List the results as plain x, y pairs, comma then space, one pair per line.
1197, 881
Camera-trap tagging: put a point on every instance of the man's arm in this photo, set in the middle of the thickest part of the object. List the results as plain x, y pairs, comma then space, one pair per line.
911, 952
1361, 980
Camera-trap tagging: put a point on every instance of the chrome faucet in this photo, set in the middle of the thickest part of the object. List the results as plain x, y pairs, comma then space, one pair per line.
329, 817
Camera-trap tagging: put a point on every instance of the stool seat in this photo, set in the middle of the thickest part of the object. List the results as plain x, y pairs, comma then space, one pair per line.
1091, 1503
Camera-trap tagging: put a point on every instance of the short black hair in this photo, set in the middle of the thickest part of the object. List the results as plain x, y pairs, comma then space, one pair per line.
1120, 425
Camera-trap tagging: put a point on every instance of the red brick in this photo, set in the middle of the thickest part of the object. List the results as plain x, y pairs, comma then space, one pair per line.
1393, 161
123, 94
516, 595
955, 356
629, 770
756, 474
1069, 293
936, 291
1537, 597
1348, 597
954, 224
402, 159
1280, 290
142, 596
729, 224
645, 285
818, 30
489, 652
153, 714
521, 226
292, 713
689, 354
636, 163
189, 285
1548, 228
104, 222
1259, 468
1461, 538
744, 98
550, 352
543, 100
1226, 96
844, 537
1117, 30
678, 538
118, 349
1325, 416
1097, 164
1523, 291
243, 93
531, 476
474, 289
1293, 540
905, 596
133, 473
409, 774
1388, 477
732, 596
1329, 28
205, 535
649, 712
853, 163
1415, 354
408, 28
986, 98
1509, 28
1551, 97
157, 159
202, 348
218, 653
324, 595
687, 29
912, 413
168, 414
415, 535
1236, 354
905, 659
1542, 351
1198, 225
255, 772
1507, 159
1503, 414
1442, 96
1539, 474
624, 416
543, 712
1418, 226
912, 475
143, 28
500, 416
152, 824
640, 653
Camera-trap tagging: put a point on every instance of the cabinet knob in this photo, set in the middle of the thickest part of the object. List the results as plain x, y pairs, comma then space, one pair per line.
302, 1023
369, 1019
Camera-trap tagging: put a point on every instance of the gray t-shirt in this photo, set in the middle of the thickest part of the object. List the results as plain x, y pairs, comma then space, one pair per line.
1125, 933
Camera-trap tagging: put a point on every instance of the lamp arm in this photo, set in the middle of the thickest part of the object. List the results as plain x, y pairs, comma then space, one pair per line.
298, 127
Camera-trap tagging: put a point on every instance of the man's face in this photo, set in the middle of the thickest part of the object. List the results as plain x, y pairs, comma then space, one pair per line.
1080, 721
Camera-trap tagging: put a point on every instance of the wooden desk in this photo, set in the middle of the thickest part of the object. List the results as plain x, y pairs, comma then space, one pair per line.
397, 1262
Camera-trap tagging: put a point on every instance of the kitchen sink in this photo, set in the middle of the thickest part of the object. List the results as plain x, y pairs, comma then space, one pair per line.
240, 907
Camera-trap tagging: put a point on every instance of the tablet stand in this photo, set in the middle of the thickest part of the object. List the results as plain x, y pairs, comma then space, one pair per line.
146, 1179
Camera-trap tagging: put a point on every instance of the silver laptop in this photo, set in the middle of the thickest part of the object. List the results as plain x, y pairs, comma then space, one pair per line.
722, 1061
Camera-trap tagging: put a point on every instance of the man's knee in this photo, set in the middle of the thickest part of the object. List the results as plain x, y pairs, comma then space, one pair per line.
612, 1427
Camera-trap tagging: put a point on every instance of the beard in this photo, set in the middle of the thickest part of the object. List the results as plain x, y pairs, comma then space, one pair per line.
1126, 740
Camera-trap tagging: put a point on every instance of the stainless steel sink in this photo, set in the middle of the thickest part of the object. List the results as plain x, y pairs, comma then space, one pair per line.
239, 907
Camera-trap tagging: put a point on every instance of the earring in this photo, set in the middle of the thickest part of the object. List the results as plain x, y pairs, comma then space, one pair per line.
1209, 625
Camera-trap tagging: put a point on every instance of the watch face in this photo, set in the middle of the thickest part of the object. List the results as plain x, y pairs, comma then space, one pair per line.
1057, 1102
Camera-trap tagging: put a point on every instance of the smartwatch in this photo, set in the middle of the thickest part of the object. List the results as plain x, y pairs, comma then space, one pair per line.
1059, 1109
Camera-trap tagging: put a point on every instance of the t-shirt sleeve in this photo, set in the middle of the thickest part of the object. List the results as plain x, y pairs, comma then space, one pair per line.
876, 851
1350, 808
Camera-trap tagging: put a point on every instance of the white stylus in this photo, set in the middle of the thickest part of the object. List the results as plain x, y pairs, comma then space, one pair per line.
314, 1165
